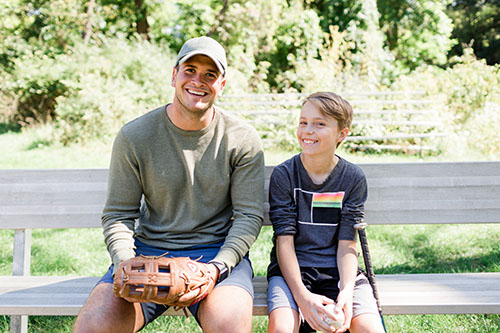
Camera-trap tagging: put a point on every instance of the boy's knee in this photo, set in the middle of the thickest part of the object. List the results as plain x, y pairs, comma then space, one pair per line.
367, 324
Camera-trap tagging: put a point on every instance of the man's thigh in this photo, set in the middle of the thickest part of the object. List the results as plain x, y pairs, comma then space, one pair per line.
104, 312
229, 306
226, 309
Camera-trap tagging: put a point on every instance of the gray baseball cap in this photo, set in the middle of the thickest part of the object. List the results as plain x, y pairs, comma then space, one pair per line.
205, 46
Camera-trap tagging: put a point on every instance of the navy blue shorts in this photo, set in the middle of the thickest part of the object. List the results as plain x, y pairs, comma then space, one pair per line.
240, 276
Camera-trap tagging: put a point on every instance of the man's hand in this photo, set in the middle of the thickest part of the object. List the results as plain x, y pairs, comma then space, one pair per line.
213, 273
177, 282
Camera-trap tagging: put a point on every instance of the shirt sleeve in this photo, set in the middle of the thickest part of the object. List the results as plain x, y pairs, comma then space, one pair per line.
353, 208
282, 207
122, 206
247, 198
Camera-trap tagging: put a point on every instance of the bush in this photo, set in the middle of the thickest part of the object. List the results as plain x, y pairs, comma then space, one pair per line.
108, 89
468, 85
91, 91
30, 86
482, 130
466, 96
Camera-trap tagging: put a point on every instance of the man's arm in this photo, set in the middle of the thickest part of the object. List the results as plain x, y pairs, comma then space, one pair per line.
123, 202
247, 197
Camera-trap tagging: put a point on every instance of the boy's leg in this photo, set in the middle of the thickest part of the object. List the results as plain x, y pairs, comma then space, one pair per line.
283, 311
104, 312
367, 322
283, 320
365, 313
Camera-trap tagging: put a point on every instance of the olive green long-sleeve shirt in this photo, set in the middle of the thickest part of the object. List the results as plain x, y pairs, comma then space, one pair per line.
175, 189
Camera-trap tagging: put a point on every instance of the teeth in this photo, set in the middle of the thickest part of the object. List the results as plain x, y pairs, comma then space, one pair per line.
308, 141
197, 93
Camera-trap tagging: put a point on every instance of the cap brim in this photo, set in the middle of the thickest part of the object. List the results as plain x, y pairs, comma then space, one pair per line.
216, 62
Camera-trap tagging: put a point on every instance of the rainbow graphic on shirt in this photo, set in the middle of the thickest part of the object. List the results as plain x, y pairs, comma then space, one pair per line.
328, 200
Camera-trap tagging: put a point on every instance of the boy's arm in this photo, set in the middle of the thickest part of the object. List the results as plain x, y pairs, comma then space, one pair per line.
347, 262
311, 305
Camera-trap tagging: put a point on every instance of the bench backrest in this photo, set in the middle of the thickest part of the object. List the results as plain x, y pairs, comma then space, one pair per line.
399, 193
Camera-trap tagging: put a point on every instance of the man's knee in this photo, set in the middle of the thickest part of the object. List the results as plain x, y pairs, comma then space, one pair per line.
227, 309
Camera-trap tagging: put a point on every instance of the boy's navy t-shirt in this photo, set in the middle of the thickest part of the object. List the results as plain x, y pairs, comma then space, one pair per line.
317, 215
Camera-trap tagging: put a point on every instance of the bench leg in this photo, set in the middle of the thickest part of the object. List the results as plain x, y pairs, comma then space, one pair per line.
21, 266
18, 324
22, 252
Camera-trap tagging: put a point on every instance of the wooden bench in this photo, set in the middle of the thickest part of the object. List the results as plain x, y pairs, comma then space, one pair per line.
402, 193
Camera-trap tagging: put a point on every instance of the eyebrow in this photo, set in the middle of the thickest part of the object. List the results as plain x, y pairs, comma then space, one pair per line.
214, 71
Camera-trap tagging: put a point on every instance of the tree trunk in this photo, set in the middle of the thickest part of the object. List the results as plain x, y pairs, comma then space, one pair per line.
219, 18
142, 25
88, 26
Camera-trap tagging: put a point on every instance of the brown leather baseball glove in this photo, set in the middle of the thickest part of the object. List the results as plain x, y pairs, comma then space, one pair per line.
163, 280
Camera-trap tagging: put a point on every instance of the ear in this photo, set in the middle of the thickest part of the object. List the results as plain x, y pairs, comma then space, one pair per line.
222, 85
174, 73
343, 134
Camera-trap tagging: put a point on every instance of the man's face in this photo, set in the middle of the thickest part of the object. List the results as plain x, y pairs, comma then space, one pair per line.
197, 84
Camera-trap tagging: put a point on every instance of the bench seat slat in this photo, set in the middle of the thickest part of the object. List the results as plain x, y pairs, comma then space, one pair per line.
400, 293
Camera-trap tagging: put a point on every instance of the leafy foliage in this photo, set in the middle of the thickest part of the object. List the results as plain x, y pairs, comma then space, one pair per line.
90, 92
476, 25
466, 96
62, 62
417, 32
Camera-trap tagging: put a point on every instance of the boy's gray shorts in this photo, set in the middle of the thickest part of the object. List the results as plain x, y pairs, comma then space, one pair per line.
279, 295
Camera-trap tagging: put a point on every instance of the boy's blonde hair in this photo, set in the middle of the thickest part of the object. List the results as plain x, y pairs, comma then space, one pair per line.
332, 105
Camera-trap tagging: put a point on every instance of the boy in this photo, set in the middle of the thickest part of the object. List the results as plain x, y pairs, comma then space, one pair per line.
315, 199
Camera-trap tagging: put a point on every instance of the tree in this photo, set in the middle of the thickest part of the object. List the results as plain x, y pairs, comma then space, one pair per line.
476, 25
50, 24
360, 20
417, 32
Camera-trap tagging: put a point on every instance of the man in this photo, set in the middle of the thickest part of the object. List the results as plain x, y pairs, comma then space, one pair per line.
199, 174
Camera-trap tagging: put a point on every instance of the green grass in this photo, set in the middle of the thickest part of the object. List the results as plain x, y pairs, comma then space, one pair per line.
395, 249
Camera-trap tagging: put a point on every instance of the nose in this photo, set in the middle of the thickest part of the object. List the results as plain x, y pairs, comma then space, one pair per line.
197, 79
309, 128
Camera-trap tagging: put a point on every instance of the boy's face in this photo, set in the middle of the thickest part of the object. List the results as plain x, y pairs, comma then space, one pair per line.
318, 134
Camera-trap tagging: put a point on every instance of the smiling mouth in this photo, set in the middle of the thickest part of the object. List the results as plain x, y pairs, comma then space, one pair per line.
197, 93
309, 142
